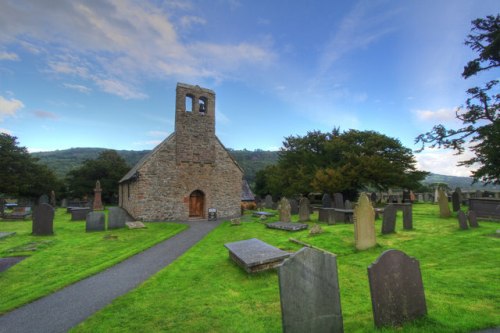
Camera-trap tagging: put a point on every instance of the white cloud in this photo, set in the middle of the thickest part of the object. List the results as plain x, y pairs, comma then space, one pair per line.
189, 20
9, 107
440, 115
6, 131
162, 134
120, 89
78, 87
444, 162
8, 56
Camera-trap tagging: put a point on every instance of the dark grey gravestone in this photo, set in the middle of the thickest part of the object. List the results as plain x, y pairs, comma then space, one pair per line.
294, 206
338, 200
304, 212
268, 202
43, 220
253, 255
79, 213
326, 215
326, 201
396, 289
406, 196
95, 221
309, 293
288, 226
348, 205
472, 219
455, 201
117, 217
389, 219
407, 216
485, 208
44, 199
462, 220
373, 197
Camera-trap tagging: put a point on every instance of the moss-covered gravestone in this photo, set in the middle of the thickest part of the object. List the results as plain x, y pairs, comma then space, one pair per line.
285, 214
444, 207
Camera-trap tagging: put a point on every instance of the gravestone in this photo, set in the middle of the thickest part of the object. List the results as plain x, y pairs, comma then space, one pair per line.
284, 210
44, 199
117, 217
326, 215
420, 197
406, 196
309, 293
472, 219
364, 223
444, 208
53, 199
64, 203
326, 201
407, 216
304, 212
95, 221
348, 204
253, 255
455, 201
373, 197
43, 220
97, 197
485, 208
396, 289
268, 202
294, 206
79, 213
389, 219
462, 220
338, 202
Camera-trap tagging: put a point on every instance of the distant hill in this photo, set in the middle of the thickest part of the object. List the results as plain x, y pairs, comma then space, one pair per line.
63, 161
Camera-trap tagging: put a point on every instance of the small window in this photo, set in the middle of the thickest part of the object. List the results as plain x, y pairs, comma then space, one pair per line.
202, 105
189, 103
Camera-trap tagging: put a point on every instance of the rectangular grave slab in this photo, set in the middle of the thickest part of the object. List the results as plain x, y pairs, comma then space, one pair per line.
396, 289
288, 226
485, 208
253, 255
79, 214
309, 293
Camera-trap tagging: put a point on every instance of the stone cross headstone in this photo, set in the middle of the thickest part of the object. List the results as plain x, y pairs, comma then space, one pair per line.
95, 221
44, 199
462, 220
268, 202
304, 212
396, 289
117, 217
309, 293
294, 206
444, 208
284, 210
364, 223
97, 197
43, 220
472, 219
326, 201
455, 201
53, 199
389, 219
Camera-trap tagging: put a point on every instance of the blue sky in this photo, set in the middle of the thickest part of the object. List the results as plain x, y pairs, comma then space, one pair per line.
102, 73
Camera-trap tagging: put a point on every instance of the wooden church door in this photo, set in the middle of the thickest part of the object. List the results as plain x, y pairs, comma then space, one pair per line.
196, 204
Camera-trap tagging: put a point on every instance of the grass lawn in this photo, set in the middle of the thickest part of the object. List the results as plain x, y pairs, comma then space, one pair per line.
68, 256
203, 291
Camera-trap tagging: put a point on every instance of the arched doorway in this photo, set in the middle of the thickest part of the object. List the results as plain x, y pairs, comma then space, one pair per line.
196, 204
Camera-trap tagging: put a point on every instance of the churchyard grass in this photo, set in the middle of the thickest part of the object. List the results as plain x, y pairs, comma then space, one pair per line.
204, 291
68, 256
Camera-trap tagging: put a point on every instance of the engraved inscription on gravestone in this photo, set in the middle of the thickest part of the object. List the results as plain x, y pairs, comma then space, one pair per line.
309, 293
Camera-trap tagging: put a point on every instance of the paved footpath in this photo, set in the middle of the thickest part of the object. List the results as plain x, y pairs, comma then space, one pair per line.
67, 307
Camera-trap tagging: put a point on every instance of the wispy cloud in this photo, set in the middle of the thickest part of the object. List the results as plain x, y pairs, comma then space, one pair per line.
190, 20
45, 114
78, 87
439, 115
8, 56
444, 162
6, 131
9, 107
162, 134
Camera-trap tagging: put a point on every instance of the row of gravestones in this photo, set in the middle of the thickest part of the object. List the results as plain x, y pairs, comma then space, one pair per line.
310, 295
287, 207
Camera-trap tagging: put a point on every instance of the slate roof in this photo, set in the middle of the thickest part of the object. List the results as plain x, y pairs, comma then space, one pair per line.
246, 192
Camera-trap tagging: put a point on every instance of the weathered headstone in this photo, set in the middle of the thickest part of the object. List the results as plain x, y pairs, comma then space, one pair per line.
455, 201
97, 197
462, 220
444, 208
95, 221
117, 217
396, 289
407, 216
44, 199
436, 195
268, 202
406, 196
472, 219
43, 220
294, 206
389, 219
79, 213
309, 293
53, 199
304, 212
338, 200
364, 223
64, 203
373, 197
420, 197
326, 201
326, 215
284, 210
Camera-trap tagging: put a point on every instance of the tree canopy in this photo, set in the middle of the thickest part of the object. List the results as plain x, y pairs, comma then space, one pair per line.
339, 162
108, 168
480, 115
21, 174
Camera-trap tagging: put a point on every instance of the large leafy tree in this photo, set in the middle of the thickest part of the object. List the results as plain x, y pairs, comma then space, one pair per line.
339, 162
108, 169
480, 115
21, 174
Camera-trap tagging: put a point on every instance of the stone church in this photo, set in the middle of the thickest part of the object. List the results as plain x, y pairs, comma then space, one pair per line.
189, 172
